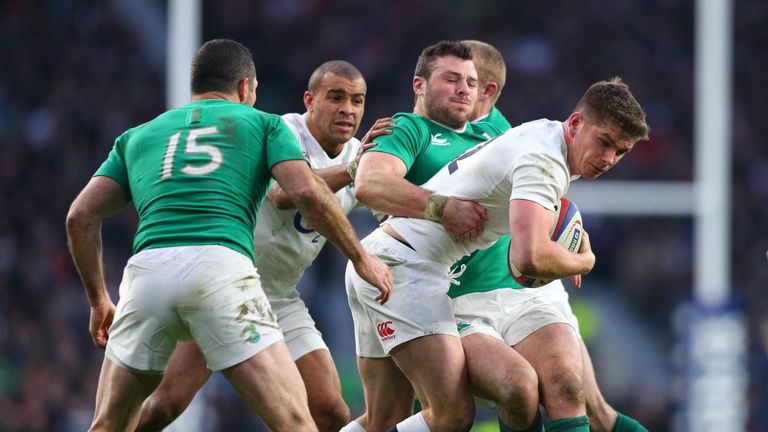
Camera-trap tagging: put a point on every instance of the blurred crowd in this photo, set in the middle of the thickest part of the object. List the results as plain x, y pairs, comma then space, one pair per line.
75, 74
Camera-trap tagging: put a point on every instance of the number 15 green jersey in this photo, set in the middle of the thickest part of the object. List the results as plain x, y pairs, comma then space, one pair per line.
198, 174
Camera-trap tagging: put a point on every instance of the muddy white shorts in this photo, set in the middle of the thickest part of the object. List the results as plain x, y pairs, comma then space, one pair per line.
507, 314
557, 295
418, 304
299, 329
210, 294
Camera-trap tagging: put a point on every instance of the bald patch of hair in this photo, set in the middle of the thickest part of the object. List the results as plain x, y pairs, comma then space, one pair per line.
612, 103
340, 68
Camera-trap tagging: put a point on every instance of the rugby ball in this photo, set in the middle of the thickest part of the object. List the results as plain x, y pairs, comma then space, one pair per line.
567, 232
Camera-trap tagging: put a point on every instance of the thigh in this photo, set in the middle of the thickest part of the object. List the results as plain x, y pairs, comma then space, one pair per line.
436, 367
185, 375
388, 393
320, 377
493, 365
271, 385
119, 396
552, 347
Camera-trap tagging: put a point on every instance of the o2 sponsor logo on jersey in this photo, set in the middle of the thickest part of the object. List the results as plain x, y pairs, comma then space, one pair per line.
385, 331
304, 230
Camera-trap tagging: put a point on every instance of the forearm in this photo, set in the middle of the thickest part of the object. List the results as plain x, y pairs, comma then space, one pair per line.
552, 261
85, 246
393, 195
336, 177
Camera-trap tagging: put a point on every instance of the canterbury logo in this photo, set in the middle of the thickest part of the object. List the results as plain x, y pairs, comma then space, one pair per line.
384, 330
436, 140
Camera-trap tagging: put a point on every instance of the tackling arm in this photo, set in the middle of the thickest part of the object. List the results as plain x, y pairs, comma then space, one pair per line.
380, 184
323, 212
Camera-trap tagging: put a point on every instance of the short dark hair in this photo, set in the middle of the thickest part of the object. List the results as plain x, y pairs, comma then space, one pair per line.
489, 64
339, 68
443, 48
219, 65
611, 103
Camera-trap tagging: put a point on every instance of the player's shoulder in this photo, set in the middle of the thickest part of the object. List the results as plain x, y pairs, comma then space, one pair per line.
541, 132
403, 119
294, 120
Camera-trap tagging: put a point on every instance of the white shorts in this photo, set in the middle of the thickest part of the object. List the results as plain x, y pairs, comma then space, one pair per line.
299, 329
210, 294
507, 314
418, 304
557, 295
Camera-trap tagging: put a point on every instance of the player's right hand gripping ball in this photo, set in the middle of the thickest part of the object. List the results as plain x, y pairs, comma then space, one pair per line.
567, 232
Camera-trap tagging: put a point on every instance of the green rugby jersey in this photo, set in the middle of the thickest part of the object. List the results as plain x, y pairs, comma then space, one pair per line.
426, 146
198, 174
487, 269
497, 119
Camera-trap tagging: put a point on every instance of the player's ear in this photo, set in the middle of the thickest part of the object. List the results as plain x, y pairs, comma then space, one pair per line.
243, 89
489, 89
308, 100
574, 122
418, 85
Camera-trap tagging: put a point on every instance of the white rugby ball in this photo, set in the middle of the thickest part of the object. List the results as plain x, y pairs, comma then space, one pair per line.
567, 232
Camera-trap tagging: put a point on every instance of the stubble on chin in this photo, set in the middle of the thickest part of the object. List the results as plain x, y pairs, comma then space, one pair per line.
443, 115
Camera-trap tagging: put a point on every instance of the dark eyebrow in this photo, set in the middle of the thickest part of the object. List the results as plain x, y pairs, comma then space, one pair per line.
607, 137
340, 91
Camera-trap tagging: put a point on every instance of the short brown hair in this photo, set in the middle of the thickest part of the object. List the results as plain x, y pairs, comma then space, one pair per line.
611, 102
441, 49
219, 65
339, 68
489, 64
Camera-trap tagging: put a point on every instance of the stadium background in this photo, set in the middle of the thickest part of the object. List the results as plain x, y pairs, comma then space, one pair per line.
75, 74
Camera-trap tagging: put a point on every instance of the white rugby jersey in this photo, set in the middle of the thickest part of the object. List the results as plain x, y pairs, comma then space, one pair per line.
284, 246
526, 162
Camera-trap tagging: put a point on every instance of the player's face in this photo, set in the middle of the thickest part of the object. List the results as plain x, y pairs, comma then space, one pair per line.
335, 109
594, 148
450, 94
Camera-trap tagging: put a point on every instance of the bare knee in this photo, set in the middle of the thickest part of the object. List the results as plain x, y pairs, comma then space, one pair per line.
518, 397
569, 387
520, 389
330, 415
456, 417
158, 411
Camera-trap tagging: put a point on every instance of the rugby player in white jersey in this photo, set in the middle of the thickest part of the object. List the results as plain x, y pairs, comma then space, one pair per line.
519, 178
285, 246
504, 326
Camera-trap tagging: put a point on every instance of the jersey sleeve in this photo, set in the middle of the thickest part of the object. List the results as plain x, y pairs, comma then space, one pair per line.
281, 144
539, 177
404, 142
114, 167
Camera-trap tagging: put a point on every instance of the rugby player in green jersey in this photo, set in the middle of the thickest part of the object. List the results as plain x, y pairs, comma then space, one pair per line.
284, 247
197, 176
422, 142
538, 323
